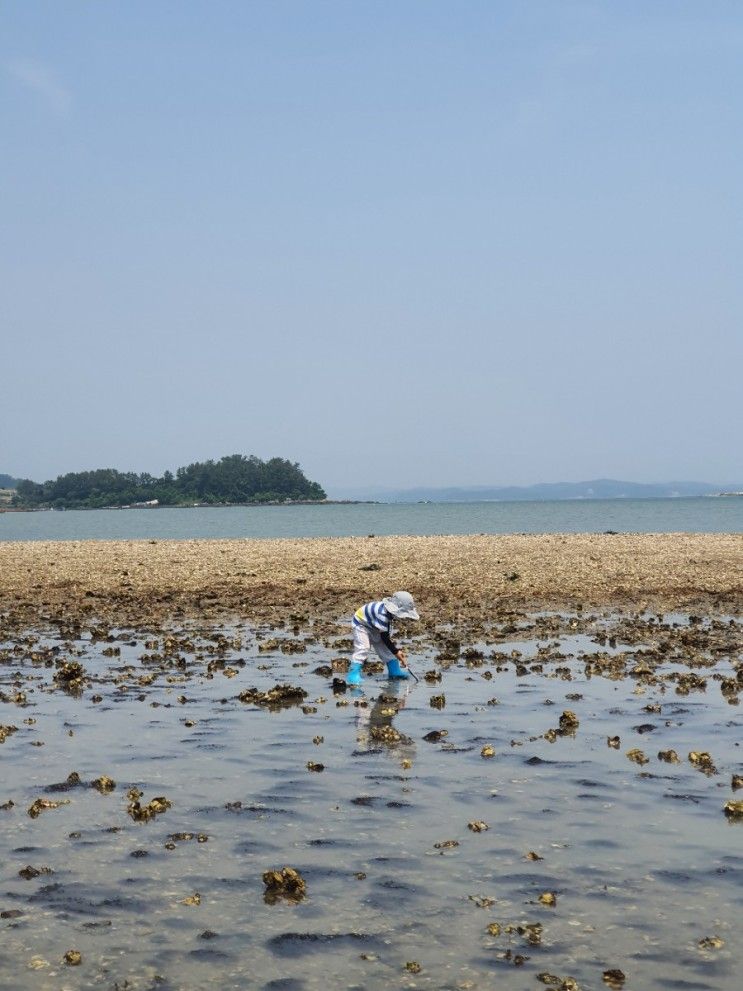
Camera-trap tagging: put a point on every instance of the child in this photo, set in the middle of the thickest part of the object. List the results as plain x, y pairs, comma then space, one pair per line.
371, 628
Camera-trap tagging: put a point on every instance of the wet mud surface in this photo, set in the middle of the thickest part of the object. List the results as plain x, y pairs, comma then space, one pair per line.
189, 801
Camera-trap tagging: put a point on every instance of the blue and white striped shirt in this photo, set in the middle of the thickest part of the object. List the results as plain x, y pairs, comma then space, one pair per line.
373, 615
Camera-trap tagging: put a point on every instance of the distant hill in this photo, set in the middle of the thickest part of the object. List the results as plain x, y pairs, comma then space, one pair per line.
601, 488
8, 482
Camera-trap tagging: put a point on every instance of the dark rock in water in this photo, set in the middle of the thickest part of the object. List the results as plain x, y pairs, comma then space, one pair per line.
324, 670
435, 735
644, 728
300, 944
208, 934
207, 953
29, 872
77, 899
73, 781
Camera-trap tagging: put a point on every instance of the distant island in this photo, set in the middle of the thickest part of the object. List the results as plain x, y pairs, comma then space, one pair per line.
233, 480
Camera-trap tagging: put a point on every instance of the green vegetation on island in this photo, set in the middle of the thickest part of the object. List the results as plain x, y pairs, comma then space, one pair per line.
233, 480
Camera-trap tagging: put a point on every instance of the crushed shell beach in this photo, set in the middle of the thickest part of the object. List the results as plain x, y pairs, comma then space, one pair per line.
454, 579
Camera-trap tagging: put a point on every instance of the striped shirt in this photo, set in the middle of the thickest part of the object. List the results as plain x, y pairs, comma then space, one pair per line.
374, 616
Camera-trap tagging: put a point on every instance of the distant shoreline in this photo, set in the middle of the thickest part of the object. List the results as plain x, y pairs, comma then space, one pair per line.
194, 505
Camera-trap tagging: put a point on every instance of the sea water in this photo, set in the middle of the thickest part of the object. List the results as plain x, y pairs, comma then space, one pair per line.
693, 515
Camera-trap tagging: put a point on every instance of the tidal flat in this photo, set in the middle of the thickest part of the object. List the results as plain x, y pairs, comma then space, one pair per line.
554, 803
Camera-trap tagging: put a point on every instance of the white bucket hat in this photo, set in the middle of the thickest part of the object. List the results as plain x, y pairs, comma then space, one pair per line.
401, 606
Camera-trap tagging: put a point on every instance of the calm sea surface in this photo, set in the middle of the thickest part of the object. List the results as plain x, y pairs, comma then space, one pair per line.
703, 515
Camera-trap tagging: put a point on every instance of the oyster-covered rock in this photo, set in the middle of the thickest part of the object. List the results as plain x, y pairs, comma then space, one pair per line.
614, 978
637, 756
703, 762
70, 675
143, 813
286, 883
103, 784
42, 804
669, 756
274, 698
5, 732
711, 943
569, 722
733, 810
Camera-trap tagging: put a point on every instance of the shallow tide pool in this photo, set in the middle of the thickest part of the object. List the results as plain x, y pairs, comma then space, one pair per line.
643, 865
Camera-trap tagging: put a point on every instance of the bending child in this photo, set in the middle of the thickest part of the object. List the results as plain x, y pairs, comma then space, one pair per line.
372, 625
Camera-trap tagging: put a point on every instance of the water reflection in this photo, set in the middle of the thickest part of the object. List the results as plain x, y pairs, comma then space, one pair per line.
374, 723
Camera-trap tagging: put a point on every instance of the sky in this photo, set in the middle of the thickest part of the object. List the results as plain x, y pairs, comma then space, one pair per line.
401, 242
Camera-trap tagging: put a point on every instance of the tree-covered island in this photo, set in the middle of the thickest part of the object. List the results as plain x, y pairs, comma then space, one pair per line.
233, 480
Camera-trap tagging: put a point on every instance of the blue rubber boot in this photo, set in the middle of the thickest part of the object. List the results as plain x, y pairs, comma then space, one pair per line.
395, 671
354, 674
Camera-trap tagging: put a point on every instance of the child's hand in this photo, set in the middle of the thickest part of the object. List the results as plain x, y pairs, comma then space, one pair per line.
400, 655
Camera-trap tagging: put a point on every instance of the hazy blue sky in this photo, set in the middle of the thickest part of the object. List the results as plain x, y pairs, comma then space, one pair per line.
401, 242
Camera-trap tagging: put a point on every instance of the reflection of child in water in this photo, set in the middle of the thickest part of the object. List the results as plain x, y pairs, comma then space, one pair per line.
372, 627
374, 727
